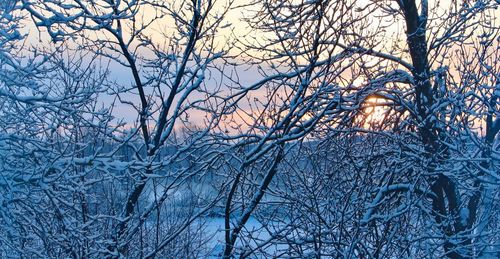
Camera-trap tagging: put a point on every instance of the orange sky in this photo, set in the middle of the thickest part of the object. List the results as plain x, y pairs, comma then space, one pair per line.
234, 27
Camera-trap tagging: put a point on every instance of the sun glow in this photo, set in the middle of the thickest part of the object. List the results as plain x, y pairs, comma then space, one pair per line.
374, 112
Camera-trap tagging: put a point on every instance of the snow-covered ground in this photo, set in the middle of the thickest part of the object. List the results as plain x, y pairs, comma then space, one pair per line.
214, 230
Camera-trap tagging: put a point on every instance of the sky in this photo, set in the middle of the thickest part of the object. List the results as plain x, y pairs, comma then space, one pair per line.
234, 27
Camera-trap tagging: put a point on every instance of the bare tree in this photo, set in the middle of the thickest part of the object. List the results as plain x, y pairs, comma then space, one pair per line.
47, 105
437, 108
167, 70
304, 86
361, 129
427, 99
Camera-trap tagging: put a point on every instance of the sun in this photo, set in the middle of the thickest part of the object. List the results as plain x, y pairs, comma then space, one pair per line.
374, 112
